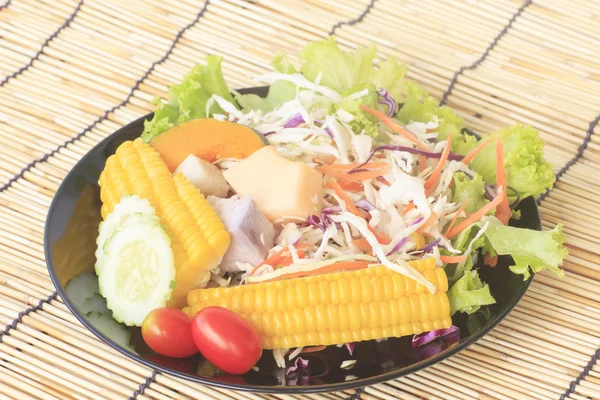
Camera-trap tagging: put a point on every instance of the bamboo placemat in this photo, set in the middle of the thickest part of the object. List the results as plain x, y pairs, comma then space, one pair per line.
72, 72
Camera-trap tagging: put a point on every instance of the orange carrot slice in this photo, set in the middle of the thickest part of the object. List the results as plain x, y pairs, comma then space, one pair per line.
408, 207
430, 221
434, 178
395, 127
350, 186
340, 266
282, 257
453, 259
492, 261
476, 216
313, 349
503, 210
342, 195
460, 210
469, 157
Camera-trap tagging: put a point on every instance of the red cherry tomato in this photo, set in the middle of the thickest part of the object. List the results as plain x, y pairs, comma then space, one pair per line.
227, 340
168, 332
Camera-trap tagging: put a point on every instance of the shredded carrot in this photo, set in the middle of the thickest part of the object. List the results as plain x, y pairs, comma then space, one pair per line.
340, 266
282, 257
364, 175
348, 167
350, 186
395, 127
324, 159
453, 259
383, 180
340, 171
342, 195
422, 163
434, 178
503, 210
460, 210
469, 157
492, 261
362, 244
476, 216
430, 221
313, 349
408, 207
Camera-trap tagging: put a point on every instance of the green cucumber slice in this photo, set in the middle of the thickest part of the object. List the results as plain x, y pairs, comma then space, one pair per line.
128, 205
138, 269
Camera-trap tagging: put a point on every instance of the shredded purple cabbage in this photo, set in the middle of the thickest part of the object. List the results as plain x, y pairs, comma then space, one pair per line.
350, 347
428, 154
364, 204
426, 337
429, 246
403, 240
294, 121
315, 221
298, 363
386, 99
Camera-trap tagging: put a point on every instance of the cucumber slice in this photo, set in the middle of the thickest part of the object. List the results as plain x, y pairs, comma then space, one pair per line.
128, 205
110, 328
96, 304
82, 287
139, 269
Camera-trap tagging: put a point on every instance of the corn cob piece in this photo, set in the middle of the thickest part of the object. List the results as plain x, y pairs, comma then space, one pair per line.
198, 237
336, 308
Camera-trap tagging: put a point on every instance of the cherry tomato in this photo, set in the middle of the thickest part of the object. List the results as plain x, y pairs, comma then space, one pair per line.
227, 340
168, 332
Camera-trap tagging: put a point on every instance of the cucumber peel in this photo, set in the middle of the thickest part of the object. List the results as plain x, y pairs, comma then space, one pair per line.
136, 263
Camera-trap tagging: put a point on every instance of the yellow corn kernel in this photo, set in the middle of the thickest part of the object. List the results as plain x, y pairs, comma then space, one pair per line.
338, 307
198, 237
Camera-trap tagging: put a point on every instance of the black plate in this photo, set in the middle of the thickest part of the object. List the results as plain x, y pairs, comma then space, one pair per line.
70, 240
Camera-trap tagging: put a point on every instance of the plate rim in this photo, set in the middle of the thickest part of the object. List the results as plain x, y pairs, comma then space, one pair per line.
278, 389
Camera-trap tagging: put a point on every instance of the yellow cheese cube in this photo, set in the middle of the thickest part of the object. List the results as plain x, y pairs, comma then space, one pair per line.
282, 189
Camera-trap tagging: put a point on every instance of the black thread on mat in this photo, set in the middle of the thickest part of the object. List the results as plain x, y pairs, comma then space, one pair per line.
581, 376
108, 112
28, 311
355, 20
65, 24
485, 53
144, 385
577, 157
356, 395
5, 5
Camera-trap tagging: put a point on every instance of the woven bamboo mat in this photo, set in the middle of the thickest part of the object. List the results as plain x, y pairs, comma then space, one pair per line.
71, 72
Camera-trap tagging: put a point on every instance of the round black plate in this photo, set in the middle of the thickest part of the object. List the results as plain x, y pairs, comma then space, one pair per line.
70, 243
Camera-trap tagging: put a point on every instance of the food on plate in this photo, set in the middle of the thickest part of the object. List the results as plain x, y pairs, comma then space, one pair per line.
208, 139
168, 331
369, 214
198, 239
204, 176
282, 189
227, 340
251, 232
336, 308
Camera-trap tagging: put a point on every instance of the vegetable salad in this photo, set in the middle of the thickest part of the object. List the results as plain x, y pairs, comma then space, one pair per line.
360, 192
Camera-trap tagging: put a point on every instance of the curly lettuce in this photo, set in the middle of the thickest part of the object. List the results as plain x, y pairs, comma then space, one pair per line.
464, 187
469, 293
188, 99
527, 171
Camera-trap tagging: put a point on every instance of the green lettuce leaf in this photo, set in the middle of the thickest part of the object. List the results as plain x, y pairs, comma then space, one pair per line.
280, 92
338, 69
464, 188
532, 251
526, 169
469, 293
188, 100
